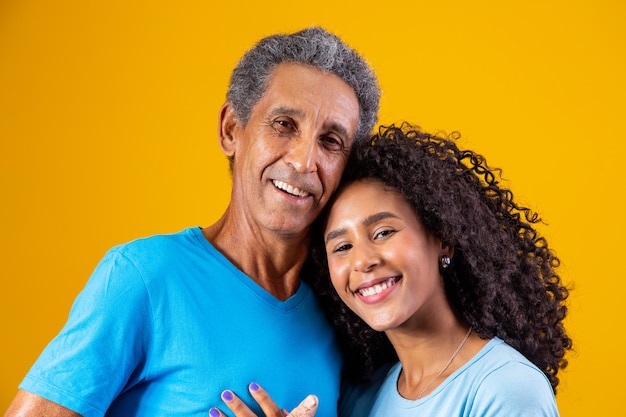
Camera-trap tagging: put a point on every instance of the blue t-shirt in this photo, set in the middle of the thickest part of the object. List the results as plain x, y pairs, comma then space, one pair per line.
166, 323
497, 381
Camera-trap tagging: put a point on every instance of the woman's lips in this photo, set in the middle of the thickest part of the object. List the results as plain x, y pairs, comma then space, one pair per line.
379, 287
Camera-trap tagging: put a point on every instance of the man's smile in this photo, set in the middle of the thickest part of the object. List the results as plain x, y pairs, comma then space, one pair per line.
288, 188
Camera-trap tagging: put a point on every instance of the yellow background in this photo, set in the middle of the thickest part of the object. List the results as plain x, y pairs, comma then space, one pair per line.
108, 117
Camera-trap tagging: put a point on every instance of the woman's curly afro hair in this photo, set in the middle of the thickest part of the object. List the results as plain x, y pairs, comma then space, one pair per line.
503, 280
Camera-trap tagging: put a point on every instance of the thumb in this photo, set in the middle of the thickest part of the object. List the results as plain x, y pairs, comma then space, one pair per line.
306, 408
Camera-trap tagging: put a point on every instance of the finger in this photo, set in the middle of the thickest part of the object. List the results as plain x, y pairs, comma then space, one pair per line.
238, 407
268, 406
216, 412
307, 408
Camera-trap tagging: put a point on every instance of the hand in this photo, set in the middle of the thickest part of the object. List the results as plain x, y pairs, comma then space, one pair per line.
306, 408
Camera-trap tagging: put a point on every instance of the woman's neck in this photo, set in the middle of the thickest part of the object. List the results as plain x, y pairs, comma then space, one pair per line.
430, 354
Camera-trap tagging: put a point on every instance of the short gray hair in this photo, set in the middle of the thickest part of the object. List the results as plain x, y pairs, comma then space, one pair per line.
315, 47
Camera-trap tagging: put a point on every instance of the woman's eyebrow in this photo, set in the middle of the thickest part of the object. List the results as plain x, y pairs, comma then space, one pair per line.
335, 234
369, 220
378, 217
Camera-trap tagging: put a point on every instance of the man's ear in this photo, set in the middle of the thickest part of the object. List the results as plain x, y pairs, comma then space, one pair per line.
227, 126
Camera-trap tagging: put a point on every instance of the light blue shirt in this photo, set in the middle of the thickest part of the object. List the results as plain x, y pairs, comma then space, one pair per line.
497, 381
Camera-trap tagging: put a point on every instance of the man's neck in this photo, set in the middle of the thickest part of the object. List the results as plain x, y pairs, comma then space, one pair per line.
272, 260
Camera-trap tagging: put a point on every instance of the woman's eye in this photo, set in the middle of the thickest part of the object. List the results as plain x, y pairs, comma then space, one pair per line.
343, 248
383, 233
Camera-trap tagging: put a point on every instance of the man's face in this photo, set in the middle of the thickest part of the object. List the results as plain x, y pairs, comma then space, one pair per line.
289, 157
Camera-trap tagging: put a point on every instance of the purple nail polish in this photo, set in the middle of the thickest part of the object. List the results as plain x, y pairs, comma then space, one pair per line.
214, 413
254, 387
227, 395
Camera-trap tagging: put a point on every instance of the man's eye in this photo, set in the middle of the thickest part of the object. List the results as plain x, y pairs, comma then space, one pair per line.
332, 142
283, 126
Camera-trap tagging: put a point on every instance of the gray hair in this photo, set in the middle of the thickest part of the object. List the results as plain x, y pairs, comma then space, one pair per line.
314, 47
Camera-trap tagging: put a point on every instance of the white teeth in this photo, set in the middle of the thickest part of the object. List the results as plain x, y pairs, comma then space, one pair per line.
290, 189
378, 288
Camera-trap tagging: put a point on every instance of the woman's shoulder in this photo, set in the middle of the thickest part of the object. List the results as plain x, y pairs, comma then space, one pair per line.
498, 354
506, 381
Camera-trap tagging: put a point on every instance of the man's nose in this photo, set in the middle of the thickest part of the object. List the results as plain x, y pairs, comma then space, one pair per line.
302, 155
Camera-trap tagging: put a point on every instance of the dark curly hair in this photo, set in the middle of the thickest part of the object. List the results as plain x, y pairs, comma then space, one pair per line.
503, 280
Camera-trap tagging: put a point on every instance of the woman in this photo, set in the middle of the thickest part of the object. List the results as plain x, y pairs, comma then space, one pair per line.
427, 254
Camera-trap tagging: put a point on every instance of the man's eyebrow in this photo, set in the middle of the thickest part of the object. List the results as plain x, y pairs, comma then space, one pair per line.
290, 111
339, 129
285, 111
369, 220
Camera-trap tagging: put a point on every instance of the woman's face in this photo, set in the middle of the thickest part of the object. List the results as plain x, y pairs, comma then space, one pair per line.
382, 263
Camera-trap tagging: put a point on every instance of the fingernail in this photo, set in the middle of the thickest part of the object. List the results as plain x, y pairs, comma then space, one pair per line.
227, 395
214, 413
310, 401
254, 387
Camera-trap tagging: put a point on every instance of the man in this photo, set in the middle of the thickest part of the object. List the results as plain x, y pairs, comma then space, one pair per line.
167, 322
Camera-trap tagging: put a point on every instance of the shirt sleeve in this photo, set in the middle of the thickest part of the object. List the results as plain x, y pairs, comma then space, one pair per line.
515, 390
101, 349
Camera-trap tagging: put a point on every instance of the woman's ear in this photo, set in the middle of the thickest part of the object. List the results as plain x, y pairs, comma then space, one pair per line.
447, 250
227, 126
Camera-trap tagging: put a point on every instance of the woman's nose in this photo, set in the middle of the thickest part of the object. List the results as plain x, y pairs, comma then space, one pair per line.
365, 257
